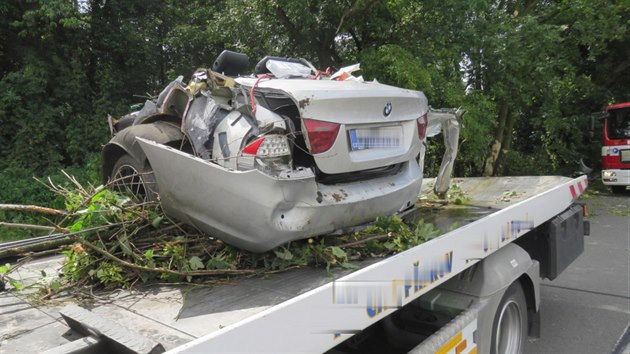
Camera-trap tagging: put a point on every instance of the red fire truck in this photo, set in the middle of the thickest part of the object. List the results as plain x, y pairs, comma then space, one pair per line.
616, 147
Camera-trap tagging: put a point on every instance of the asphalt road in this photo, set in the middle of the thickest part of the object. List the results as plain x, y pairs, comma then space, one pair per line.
587, 308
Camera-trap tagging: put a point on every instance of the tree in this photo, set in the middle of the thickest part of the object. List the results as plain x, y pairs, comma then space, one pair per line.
529, 58
529, 72
43, 88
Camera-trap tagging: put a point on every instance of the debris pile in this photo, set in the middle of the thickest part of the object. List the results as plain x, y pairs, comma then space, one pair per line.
116, 240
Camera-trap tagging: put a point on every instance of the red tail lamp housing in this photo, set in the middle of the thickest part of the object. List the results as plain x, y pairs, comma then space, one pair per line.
422, 126
321, 135
252, 148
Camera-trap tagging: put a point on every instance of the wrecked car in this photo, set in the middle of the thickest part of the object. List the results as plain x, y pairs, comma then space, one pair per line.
285, 153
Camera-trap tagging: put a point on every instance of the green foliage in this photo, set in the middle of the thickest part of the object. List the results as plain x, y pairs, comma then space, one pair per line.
20, 187
4, 277
118, 243
477, 130
520, 164
64, 68
110, 274
402, 235
219, 261
78, 264
4, 271
394, 65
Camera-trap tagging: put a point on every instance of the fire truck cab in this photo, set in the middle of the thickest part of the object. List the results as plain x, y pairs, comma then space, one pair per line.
616, 147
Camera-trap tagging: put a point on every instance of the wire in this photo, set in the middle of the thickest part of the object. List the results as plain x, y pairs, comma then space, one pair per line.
252, 102
320, 73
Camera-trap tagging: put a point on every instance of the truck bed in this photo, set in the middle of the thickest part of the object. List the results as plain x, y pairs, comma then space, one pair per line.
303, 309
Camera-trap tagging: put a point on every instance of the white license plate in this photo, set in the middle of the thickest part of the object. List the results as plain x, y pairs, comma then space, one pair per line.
625, 155
375, 138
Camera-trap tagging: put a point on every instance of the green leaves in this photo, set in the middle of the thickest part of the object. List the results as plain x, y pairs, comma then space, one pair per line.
338, 252
402, 236
283, 254
394, 65
220, 261
111, 274
141, 248
195, 263
157, 221
4, 269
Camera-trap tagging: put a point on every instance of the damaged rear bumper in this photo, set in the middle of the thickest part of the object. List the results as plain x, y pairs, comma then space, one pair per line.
257, 212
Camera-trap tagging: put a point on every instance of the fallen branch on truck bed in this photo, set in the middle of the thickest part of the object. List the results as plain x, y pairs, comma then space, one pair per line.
118, 241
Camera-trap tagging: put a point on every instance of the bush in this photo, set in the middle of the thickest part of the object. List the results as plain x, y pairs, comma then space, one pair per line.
20, 186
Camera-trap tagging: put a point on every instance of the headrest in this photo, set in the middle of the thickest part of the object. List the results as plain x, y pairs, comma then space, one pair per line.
231, 63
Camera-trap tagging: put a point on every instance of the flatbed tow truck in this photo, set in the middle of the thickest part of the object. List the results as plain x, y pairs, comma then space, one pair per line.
474, 289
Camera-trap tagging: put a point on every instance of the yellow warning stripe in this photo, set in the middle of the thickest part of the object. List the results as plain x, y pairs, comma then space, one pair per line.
451, 344
461, 346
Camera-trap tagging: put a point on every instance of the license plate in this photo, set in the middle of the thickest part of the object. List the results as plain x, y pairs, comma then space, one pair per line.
625, 155
375, 138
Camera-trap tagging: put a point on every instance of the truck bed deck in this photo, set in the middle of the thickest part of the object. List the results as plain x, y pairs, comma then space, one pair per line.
302, 308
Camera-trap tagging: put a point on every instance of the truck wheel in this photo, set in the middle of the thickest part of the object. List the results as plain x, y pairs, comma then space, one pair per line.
509, 329
618, 189
131, 176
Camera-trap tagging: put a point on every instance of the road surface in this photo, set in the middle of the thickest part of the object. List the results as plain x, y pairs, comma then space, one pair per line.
587, 308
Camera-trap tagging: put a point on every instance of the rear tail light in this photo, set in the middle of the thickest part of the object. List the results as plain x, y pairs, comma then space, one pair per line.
268, 146
321, 135
252, 148
422, 126
270, 154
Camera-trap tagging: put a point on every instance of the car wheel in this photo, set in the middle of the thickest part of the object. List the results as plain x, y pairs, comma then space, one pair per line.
509, 329
618, 189
131, 176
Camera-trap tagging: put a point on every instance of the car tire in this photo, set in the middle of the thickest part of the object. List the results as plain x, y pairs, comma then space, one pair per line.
509, 330
618, 189
131, 176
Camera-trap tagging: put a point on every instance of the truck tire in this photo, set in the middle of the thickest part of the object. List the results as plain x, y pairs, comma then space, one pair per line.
132, 176
509, 330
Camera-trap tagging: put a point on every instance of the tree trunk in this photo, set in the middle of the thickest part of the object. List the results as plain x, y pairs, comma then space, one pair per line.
489, 166
506, 145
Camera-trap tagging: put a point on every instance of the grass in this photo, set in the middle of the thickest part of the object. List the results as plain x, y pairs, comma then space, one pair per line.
622, 212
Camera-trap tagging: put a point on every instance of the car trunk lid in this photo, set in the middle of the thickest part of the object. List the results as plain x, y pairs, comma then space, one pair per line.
371, 125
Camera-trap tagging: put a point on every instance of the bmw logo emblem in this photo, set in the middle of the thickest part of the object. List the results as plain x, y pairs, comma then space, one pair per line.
387, 110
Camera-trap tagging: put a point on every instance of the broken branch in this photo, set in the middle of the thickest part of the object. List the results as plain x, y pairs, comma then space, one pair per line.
33, 208
214, 272
366, 240
33, 227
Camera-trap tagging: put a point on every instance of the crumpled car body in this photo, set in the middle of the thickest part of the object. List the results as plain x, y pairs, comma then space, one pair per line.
283, 154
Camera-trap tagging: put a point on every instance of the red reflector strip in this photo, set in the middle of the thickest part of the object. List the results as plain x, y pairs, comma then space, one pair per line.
573, 193
580, 187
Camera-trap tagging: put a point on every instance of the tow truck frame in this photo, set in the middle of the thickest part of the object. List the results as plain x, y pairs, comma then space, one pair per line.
517, 229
